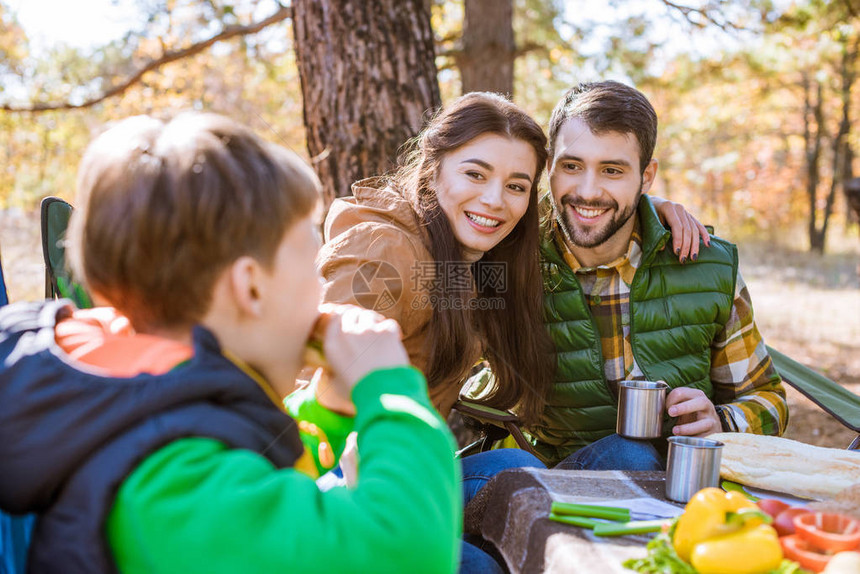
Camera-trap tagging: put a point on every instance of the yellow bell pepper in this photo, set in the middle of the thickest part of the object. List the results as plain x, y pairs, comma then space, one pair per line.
705, 517
750, 550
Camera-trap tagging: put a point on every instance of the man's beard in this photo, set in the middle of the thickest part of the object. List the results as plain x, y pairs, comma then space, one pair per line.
593, 237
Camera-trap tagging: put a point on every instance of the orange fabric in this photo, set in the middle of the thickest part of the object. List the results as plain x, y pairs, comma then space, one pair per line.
104, 339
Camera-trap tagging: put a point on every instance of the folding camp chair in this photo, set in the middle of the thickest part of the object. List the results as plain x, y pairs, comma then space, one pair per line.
59, 283
494, 424
830, 396
14, 530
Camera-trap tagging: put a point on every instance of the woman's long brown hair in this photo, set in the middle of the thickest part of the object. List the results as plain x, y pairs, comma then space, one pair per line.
514, 338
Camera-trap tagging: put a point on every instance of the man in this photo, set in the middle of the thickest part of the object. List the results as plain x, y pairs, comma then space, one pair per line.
619, 306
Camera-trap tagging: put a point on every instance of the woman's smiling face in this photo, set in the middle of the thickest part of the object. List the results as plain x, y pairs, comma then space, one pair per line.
483, 187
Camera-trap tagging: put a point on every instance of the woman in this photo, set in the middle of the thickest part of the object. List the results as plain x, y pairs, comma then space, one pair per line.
448, 247
467, 192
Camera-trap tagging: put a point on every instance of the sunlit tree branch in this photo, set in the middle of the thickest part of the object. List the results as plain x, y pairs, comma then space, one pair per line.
521, 50
229, 32
706, 16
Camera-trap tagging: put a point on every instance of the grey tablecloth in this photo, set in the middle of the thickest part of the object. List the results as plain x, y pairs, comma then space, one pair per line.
512, 512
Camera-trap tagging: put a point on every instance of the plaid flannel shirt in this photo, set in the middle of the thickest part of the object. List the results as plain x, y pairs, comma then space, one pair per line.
748, 392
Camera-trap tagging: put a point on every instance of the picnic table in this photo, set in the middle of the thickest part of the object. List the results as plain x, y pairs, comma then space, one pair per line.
512, 512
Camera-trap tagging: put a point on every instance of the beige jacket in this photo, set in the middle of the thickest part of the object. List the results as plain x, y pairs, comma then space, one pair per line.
375, 255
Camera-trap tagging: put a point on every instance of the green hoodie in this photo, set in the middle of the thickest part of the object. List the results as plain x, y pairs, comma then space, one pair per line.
197, 506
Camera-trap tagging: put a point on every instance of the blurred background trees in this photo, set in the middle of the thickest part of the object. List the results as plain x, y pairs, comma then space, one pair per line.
757, 98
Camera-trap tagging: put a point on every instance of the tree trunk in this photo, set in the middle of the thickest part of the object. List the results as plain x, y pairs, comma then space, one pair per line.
487, 61
813, 116
841, 151
368, 76
849, 76
841, 145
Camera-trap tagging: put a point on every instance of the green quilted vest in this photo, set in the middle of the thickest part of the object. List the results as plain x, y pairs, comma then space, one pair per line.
675, 313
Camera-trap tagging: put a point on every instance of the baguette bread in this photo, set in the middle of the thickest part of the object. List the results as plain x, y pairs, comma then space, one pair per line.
788, 466
846, 502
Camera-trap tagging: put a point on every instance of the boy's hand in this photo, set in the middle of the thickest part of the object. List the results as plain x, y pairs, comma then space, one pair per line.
696, 413
356, 342
332, 395
349, 460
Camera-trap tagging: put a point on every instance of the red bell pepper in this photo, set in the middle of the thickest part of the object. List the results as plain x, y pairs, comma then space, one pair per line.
828, 532
801, 552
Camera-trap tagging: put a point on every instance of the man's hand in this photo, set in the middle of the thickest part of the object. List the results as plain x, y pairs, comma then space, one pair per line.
696, 414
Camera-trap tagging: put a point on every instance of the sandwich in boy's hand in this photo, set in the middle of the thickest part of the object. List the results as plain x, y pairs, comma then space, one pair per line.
314, 355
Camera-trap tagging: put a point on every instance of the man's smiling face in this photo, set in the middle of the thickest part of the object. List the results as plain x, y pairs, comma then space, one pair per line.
596, 183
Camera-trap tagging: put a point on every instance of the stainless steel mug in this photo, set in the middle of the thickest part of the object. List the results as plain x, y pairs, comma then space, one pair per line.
694, 464
640, 409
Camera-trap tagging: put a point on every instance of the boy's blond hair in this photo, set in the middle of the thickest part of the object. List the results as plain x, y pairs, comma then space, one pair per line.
164, 208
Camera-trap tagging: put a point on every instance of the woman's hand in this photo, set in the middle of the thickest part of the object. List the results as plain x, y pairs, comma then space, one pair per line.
686, 229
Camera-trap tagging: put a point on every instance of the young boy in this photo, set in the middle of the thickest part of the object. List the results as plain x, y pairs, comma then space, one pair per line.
150, 435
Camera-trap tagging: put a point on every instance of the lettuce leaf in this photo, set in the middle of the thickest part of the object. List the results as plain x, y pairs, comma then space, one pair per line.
662, 559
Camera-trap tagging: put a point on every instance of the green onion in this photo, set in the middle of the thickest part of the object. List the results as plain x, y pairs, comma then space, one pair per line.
591, 510
575, 520
623, 529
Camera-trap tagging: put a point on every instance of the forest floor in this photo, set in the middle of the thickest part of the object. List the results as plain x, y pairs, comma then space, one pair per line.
806, 306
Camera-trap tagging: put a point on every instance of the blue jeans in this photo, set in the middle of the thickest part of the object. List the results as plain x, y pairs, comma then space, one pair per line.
615, 453
478, 469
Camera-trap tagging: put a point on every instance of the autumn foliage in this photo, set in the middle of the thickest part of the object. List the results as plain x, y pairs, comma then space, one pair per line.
755, 101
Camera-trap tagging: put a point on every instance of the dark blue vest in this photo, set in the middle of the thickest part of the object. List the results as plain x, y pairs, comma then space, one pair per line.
68, 438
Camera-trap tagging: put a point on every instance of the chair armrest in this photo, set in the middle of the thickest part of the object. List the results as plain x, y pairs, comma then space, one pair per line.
484, 413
